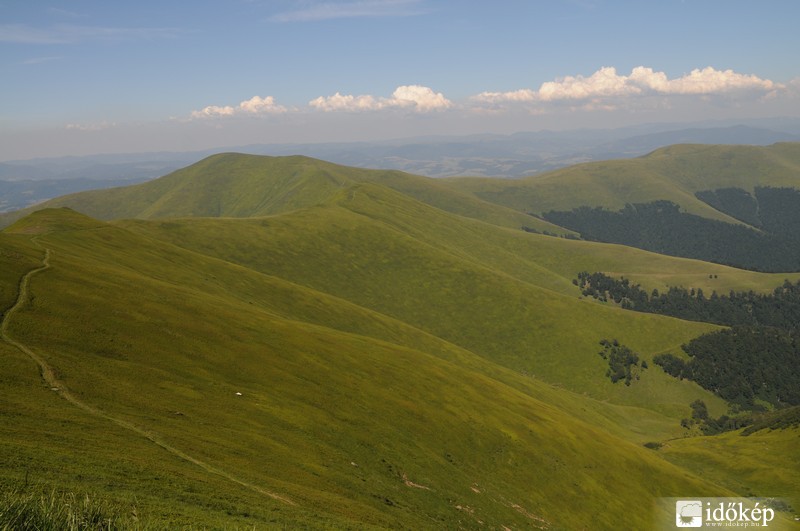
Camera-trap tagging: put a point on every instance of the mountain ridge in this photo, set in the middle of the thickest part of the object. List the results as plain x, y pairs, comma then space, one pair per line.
374, 346
324, 453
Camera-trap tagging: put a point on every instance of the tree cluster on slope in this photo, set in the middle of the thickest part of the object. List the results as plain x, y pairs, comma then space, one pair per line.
780, 309
757, 359
661, 227
711, 426
742, 365
623, 363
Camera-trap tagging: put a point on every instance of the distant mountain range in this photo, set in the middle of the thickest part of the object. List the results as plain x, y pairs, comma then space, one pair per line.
23, 183
284, 342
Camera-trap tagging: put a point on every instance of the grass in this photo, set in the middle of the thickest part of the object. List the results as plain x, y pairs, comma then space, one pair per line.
234, 185
674, 173
763, 464
168, 353
374, 349
433, 289
25, 508
16, 258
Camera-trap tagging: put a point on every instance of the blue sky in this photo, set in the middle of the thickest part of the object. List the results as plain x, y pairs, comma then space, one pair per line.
95, 76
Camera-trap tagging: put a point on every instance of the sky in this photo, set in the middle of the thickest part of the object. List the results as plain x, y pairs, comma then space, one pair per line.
93, 76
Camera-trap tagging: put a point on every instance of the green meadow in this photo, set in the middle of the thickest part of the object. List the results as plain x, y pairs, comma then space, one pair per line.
257, 342
673, 173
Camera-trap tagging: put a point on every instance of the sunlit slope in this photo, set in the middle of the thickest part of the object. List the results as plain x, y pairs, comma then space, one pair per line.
544, 261
441, 289
673, 173
765, 462
351, 430
237, 185
16, 258
221, 185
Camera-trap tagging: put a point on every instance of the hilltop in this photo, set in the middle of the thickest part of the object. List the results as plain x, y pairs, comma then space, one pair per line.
236, 185
269, 341
674, 173
734, 205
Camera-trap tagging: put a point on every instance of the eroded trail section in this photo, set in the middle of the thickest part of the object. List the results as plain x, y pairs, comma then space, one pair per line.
49, 376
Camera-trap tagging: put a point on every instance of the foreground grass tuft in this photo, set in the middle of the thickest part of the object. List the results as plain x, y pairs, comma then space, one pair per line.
24, 508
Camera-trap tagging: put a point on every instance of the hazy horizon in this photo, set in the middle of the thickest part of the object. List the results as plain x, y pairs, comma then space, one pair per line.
89, 77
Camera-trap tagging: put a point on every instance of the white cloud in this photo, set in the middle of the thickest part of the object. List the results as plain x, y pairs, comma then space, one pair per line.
351, 9
420, 98
254, 106
339, 102
413, 97
259, 105
705, 81
607, 83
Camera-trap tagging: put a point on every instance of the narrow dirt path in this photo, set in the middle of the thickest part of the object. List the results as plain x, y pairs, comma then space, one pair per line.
49, 376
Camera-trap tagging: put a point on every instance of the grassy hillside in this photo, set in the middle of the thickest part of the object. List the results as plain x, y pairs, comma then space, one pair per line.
236, 185
673, 173
270, 342
740, 463
510, 321
332, 427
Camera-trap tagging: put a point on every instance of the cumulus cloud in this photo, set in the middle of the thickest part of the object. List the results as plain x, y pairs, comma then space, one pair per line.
259, 105
413, 97
705, 81
254, 106
420, 98
607, 83
348, 102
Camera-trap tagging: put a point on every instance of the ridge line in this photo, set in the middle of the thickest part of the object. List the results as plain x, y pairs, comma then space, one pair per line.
49, 376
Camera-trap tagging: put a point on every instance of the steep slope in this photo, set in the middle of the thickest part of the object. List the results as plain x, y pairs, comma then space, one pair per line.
343, 429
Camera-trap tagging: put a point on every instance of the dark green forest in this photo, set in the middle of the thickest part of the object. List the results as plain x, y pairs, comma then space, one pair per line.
756, 360
780, 309
742, 364
770, 242
623, 363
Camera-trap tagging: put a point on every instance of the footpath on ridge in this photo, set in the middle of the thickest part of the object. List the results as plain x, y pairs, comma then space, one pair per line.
49, 376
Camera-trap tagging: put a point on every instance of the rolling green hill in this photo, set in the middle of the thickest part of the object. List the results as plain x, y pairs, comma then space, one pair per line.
235, 185
688, 200
674, 173
339, 426
278, 342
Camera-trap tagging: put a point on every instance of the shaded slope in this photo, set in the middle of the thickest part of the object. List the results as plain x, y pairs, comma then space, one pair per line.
354, 430
661, 227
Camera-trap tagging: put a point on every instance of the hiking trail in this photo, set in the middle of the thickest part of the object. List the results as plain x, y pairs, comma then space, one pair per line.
49, 376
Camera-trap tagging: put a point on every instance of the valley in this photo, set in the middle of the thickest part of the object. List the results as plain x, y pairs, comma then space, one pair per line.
262, 342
